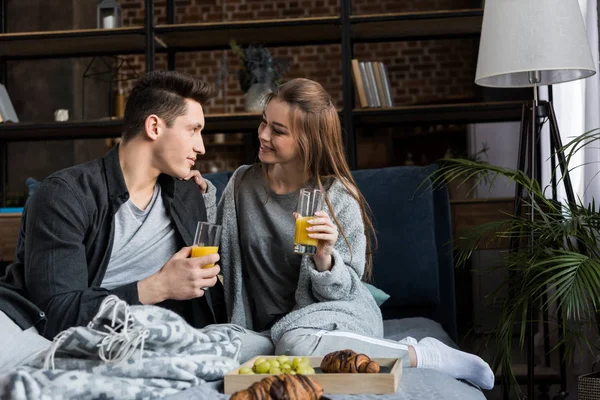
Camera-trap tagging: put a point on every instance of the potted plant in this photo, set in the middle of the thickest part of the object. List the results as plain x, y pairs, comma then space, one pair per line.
557, 272
259, 73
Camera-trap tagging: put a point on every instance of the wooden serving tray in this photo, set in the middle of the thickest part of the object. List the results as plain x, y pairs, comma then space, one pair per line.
386, 381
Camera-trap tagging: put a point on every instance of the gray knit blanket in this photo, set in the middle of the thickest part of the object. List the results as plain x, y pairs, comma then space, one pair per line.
126, 352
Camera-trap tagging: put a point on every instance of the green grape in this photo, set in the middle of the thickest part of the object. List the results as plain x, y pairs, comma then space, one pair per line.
263, 367
286, 367
259, 360
296, 362
283, 359
305, 370
275, 370
246, 371
291, 372
274, 363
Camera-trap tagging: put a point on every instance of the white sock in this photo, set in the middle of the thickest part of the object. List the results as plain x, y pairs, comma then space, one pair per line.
410, 341
431, 353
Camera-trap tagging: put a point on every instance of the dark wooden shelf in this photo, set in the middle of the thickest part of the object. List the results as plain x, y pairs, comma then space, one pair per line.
73, 43
248, 122
26, 131
111, 128
416, 25
275, 32
224, 123
439, 114
216, 35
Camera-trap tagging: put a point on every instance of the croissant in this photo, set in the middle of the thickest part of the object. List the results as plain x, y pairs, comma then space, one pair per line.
348, 361
282, 387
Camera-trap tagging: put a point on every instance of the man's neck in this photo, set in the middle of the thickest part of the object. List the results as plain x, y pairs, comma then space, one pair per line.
140, 176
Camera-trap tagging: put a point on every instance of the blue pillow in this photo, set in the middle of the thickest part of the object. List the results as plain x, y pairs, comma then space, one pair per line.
405, 264
379, 295
219, 179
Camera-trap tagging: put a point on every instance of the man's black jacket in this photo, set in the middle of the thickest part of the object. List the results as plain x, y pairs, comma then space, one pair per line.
65, 241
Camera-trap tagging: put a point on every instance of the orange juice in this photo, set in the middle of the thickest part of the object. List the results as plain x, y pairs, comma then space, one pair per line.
199, 251
301, 236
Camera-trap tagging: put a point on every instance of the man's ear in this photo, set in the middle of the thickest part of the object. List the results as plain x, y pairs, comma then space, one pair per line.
152, 127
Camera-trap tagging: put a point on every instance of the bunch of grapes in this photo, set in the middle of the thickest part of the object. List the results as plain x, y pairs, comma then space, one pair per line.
279, 365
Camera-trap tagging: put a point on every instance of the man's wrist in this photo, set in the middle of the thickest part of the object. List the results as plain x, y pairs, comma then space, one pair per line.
150, 291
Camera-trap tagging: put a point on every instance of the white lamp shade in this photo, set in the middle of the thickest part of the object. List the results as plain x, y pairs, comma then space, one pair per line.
523, 36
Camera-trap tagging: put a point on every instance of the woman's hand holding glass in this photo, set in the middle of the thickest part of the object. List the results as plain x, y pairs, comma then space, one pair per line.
324, 230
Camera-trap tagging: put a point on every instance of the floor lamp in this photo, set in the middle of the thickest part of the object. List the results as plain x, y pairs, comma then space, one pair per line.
532, 43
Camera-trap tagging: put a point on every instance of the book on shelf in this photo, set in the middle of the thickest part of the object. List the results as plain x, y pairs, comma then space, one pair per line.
379, 84
372, 84
387, 89
367, 84
359, 84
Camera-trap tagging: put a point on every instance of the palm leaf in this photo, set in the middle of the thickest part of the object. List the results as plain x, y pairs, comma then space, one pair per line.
560, 265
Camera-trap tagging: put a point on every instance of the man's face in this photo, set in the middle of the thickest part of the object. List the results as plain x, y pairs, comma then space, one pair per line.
176, 147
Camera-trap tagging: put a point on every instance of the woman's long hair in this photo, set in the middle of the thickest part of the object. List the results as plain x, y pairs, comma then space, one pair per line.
316, 125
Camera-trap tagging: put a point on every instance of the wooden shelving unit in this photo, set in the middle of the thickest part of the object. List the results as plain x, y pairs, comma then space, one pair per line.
248, 122
22, 132
271, 33
111, 128
442, 113
344, 29
416, 25
216, 35
73, 43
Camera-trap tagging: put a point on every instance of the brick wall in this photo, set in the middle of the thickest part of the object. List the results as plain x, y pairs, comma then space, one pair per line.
420, 71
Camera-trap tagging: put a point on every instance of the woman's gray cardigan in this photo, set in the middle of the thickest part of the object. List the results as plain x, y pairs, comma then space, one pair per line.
331, 300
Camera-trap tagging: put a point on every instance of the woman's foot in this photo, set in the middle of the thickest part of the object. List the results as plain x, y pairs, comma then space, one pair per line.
431, 353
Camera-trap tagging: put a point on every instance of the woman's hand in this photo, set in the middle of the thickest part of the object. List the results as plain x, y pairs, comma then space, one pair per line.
323, 229
194, 173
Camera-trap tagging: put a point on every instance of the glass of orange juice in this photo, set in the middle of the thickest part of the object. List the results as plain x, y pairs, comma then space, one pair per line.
206, 240
309, 202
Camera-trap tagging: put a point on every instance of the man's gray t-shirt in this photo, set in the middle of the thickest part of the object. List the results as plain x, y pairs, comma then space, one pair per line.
271, 268
144, 241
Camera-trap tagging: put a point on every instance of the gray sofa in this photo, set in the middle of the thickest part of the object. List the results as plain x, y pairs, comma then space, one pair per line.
413, 264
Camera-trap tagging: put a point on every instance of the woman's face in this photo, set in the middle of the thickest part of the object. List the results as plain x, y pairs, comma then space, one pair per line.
277, 143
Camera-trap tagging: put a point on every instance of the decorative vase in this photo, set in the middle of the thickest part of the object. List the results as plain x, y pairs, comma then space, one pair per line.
256, 96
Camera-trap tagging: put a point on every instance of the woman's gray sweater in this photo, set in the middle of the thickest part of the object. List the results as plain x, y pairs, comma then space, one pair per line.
330, 300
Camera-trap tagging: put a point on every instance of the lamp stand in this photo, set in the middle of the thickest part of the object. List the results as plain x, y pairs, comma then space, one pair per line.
530, 163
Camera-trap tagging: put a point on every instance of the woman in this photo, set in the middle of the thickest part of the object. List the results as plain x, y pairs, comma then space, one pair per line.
311, 304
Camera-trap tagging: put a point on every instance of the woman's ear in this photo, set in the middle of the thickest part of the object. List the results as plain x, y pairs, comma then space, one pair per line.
151, 127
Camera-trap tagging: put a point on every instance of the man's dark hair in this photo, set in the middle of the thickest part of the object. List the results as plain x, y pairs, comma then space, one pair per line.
162, 93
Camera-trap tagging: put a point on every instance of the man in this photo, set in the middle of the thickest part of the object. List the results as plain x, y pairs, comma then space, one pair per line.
111, 226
